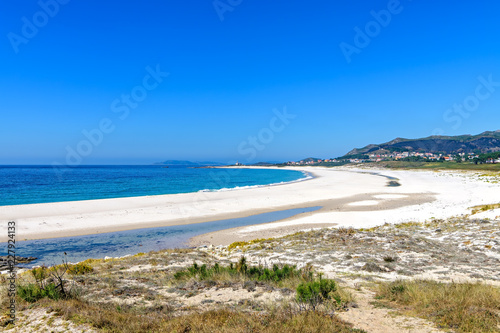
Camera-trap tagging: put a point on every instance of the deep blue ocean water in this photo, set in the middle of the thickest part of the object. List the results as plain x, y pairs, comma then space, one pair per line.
41, 184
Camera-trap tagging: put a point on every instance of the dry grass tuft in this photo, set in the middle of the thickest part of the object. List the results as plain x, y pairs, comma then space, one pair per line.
463, 307
253, 241
110, 319
484, 208
346, 231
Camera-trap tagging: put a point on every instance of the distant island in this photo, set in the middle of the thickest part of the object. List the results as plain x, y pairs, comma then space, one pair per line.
210, 164
187, 163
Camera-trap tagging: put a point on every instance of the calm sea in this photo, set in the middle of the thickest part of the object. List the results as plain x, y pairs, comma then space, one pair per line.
41, 184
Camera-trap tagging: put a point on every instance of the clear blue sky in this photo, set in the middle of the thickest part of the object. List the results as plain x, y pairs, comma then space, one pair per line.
65, 73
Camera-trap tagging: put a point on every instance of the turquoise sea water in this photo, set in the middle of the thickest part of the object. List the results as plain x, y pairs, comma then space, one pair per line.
116, 244
38, 184
41, 184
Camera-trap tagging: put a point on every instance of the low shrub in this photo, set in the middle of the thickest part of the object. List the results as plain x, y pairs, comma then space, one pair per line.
80, 268
32, 292
50, 282
312, 294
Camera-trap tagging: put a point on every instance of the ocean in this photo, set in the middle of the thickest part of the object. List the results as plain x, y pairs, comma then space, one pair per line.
42, 184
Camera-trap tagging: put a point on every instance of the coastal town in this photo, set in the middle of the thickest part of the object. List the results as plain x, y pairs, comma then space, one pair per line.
400, 156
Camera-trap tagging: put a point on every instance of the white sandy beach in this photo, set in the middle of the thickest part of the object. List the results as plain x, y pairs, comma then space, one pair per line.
350, 197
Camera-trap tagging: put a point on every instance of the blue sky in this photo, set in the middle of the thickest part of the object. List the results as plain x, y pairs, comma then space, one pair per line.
67, 68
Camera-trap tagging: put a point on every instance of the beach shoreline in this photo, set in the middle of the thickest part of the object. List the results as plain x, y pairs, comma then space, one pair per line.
349, 197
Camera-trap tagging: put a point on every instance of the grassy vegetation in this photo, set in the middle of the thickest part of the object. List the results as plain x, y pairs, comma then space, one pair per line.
253, 241
162, 292
484, 208
312, 290
313, 293
463, 307
438, 165
50, 282
80, 268
160, 316
32, 292
279, 319
241, 271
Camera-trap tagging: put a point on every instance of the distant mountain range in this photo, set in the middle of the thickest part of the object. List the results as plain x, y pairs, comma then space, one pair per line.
482, 143
486, 142
187, 163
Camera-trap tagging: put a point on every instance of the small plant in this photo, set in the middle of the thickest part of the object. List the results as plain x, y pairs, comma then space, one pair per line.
397, 288
390, 259
346, 231
49, 282
40, 274
241, 266
312, 294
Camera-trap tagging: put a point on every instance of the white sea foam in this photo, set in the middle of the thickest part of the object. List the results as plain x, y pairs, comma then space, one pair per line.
306, 174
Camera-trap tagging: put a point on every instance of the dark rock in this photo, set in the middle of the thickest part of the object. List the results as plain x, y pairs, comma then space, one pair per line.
19, 260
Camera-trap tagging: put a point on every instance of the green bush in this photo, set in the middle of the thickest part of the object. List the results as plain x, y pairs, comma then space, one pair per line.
313, 293
32, 293
50, 282
80, 269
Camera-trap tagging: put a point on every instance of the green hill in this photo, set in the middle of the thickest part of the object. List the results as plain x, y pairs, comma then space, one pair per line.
486, 142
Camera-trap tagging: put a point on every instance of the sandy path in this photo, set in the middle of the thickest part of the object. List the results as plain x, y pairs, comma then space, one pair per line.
379, 320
